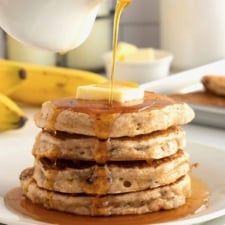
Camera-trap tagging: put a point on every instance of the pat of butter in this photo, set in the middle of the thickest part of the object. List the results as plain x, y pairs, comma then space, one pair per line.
125, 49
130, 53
147, 54
121, 93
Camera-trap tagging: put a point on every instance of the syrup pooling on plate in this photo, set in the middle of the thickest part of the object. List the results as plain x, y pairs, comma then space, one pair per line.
16, 202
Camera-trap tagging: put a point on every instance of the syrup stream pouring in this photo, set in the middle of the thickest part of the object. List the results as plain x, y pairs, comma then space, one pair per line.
120, 6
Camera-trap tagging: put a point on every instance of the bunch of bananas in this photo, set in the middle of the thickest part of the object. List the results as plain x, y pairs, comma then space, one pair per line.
11, 116
34, 84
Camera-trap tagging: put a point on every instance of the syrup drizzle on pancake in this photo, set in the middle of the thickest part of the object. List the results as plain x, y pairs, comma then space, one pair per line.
99, 182
103, 114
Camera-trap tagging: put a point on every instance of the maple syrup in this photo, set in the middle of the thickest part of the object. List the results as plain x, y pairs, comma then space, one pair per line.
96, 108
16, 202
103, 114
120, 6
101, 151
99, 183
50, 180
52, 120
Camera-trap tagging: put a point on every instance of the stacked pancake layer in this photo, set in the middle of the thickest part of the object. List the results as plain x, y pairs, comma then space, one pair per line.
99, 161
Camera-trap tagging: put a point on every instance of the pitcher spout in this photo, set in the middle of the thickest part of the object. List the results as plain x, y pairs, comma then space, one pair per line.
49, 24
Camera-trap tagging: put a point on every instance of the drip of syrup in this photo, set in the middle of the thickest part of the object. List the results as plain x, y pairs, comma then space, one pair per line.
52, 120
17, 203
99, 183
103, 124
120, 6
101, 151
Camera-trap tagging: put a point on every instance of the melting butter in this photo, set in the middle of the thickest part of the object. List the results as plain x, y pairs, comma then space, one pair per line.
122, 92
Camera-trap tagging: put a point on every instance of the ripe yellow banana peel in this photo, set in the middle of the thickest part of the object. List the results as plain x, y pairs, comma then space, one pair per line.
46, 83
10, 79
11, 116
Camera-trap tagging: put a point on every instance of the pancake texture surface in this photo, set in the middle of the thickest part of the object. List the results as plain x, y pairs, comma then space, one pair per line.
162, 198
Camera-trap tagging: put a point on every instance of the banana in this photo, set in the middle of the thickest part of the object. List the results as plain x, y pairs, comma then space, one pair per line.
47, 83
10, 80
11, 116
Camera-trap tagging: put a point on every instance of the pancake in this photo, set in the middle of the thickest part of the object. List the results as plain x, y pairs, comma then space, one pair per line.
156, 145
214, 84
96, 118
152, 200
117, 177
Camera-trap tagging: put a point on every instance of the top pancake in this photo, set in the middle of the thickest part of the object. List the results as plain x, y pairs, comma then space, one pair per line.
97, 118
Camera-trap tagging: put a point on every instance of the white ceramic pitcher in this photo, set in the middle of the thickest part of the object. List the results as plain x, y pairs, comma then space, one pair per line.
56, 25
193, 30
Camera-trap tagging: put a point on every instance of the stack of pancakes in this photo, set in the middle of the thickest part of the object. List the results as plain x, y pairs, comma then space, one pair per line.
95, 159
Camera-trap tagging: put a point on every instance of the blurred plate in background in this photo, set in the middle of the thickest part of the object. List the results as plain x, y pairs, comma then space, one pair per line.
207, 115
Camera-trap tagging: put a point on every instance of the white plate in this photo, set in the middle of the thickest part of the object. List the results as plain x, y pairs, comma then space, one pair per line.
207, 115
211, 170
